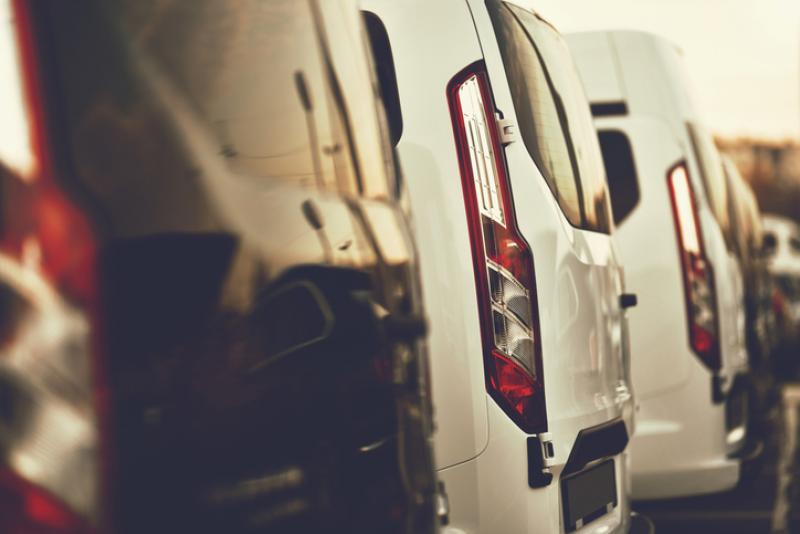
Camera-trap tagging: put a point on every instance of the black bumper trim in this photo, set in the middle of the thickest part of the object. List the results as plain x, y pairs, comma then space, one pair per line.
596, 443
718, 396
539, 476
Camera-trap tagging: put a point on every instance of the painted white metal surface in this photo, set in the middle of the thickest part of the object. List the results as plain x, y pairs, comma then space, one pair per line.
785, 259
680, 444
481, 453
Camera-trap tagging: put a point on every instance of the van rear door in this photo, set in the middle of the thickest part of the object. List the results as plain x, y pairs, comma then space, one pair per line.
258, 278
560, 194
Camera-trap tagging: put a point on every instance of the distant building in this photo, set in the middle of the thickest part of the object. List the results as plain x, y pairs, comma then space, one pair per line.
763, 161
773, 171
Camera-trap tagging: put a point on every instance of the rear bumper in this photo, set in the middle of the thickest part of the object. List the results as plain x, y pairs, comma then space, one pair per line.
684, 443
482, 500
699, 478
491, 493
737, 416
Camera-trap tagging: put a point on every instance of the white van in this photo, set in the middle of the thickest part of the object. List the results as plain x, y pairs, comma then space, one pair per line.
781, 244
669, 195
520, 274
782, 251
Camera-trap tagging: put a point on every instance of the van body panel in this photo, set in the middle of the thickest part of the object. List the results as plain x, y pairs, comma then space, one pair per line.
674, 390
660, 343
481, 453
251, 263
429, 161
578, 278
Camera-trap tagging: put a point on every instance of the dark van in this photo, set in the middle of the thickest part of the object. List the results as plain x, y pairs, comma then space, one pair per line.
209, 312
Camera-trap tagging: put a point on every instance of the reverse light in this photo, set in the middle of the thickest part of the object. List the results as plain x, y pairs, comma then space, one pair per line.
698, 276
502, 261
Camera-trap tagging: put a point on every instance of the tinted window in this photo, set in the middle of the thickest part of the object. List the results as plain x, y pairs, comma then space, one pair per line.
537, 111
553, 114
577, 122
789, 286
199, 133
387, 78
712, 174
623, 183
769, 244
794, 244
739, 223
242, 70
754, 217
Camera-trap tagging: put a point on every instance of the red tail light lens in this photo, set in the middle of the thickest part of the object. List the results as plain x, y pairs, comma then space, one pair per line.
50, 438
698, 276
778, 304
67, 244
27, 509
503, 263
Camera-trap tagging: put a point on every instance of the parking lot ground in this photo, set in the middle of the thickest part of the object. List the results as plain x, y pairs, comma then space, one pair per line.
769, 502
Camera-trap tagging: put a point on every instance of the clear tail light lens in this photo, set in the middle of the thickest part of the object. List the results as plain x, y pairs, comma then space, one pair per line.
698, 276
503, 264
51, 464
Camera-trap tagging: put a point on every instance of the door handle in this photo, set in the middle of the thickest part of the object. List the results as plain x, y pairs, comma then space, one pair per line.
405, 327
628, 300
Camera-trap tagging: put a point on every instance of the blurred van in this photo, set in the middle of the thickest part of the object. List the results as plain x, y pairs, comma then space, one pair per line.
758, 295
781, 245
521, 276
748, 243
670, 201
209, 307
781, 248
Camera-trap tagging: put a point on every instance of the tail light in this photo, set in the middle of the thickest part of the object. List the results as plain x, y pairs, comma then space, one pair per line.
698, 276
778, 304
503, 264
52, 401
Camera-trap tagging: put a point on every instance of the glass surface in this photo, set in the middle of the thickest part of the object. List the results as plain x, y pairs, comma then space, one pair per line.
623, 183
553, 113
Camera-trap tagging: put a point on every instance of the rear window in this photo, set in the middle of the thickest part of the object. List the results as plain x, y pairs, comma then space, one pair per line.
623, 184
223, 74
789, 286
553, 114
739, 224
769, 244
713, 176
794, 244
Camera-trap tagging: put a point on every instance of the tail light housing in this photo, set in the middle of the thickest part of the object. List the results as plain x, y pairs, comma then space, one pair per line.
698, 275
778, 304
51, 446
502, 260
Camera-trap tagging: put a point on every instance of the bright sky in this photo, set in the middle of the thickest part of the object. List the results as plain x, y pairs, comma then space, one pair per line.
743, 55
